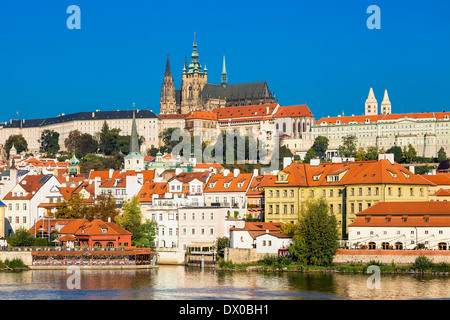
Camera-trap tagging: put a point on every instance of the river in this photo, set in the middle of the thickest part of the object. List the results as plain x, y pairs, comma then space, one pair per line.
180, 283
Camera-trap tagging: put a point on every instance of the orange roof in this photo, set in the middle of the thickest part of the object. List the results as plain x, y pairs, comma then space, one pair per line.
208, 165
359, 172
247, 112
438, 179
151, 188
259, 227
97, 226
258, 183
187, 177
405, 214
199, 114
375, 118
218, 182
293, 111
31, 184
84, 227
45, 224
443, 193
119, 180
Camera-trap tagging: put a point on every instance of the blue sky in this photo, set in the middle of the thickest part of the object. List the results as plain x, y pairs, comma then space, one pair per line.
315, 52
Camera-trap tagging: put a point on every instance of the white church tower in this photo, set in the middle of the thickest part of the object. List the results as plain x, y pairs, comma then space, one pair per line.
386, 104
371, 104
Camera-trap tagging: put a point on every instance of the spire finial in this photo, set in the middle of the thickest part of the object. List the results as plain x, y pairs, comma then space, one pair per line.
224, 73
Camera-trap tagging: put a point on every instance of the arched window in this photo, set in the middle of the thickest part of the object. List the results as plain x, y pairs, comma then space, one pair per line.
284, 126
372, 245
303, 126
385, 245
399, 246
278, 127
110, 245
97, 245
442, 246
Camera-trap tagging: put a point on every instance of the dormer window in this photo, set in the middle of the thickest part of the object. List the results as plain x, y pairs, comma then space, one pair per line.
226, 185
104, 230
240, 185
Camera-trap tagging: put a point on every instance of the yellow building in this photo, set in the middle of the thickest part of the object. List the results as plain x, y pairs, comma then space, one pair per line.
349, 188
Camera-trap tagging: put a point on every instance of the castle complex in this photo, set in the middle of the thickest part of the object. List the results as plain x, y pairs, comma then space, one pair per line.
196, 93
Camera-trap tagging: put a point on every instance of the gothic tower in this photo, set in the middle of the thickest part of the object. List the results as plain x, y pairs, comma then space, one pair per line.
193, 81
168, 102
371, 104
386, 104
134, 160
224, 81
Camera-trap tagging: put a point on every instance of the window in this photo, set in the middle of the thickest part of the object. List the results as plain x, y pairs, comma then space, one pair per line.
269, 242
292, 193
285, 193
360, 192
203, 216
399, 192
270, 209
331, 208
390, 191
369, 191
270, 194
285, 209
377, 191
211, 231
24, 206
360, 207
292, 209
211, 216
17, 219
277, 209
331, 193
192, 231
193, 215
352, 208
411, 191
24, 220
352, 191
277, 193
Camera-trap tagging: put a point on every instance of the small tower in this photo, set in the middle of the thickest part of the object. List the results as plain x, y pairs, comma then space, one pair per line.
134, 160
371, 104
74, 168
224, 81
12, 151
386, 104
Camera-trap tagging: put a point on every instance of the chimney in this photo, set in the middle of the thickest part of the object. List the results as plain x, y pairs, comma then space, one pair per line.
267, 230
287, 162
109, 219
314, 162
412, 169
236, 172
111, 172
97, 183
255, 172
226, 172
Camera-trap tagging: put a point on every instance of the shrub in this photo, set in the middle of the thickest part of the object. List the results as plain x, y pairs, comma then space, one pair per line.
422, 263
226, 264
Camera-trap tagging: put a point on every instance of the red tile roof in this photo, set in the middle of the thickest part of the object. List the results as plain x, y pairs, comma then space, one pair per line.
405, 214
198, 114
219, 182
375, 118
293, 111
149, 189
359, 172
245, 112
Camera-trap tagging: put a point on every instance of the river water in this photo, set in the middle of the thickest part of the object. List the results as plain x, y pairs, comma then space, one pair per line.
181, 283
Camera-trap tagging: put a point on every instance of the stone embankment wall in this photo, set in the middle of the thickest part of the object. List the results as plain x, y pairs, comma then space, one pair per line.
22, 255
399, 257
170, 257
243, 255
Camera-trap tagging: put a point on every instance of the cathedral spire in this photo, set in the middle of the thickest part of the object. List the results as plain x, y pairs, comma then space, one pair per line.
194, 66
386, 103
371, 103
224, 74
168, 73
134, 139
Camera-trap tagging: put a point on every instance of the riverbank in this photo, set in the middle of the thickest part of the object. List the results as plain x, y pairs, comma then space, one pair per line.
422, 265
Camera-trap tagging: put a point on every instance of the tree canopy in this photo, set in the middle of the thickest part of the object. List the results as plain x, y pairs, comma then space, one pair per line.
49, 142
348, 147
315, 235
18, 141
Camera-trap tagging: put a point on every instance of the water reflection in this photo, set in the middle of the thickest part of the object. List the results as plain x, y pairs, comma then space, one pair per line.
178, 282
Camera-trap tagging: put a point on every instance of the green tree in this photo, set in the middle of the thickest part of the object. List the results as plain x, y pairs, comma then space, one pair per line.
372, 153
348, 147
320, 146
409, 154
21, 238
103, 209
316, 236
222, 243
398, 154
49, 142
166, 137
18, 141
80, 143
74, 208
441, 156
143, 233
310, 154
361, 154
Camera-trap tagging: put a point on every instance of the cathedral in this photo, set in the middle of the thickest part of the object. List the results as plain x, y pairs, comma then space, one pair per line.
197, 94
